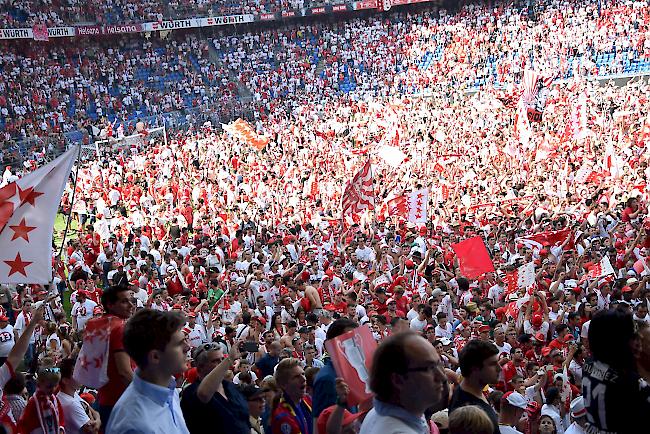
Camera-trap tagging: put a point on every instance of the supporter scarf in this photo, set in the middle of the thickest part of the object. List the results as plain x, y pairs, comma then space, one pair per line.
44, 409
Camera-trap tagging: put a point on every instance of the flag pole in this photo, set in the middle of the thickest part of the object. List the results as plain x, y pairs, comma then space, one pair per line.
74, 191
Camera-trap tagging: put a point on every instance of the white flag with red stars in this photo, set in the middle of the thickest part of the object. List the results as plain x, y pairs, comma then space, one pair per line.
28, 208
417, 204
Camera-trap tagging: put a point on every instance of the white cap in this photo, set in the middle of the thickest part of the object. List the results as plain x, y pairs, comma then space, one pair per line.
515, 399
445, 341
578, 407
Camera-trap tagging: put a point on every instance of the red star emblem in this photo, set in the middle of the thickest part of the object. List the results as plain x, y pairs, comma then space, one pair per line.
18, 265
22, 231
28, 195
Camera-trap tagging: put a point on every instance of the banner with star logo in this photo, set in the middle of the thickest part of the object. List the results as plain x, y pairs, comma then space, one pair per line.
417, 203
28, 208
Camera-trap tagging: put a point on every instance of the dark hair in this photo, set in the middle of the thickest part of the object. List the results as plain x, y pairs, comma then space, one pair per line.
338, 327
390, 357
149, 330
609, 337
473, 354
463, 284
67, 367
109, 296
15, 385
552, 393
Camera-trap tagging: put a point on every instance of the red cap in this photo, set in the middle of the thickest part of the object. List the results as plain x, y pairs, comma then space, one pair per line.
409, 264
88, 397
484, 329
194, 300
537, 320
546, 351
4, 318
177, 307
98, 310
626, 289
261, 319
540, 337
423, 230
191, 315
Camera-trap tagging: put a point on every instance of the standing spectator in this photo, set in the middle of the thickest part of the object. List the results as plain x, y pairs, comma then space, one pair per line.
118, 306
7, 338
156, 342
292, 413
214, 395
407, 378
513, 405
23, 320
479, 366
615, 399
79, 417
82, 311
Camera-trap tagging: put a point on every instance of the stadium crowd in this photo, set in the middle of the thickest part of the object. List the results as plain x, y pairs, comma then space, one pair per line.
372, 56
229, 267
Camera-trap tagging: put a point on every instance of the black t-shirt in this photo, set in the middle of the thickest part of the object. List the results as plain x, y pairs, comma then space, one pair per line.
219, 415
460, 398
615, 401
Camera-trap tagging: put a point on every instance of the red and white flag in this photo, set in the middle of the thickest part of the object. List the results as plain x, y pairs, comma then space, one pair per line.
546, 239
91, 368
417, 205
601, 269
522, 277
359, 194
27, 211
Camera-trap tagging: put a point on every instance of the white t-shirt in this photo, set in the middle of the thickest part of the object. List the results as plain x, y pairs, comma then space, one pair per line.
418, 325
507, 429
74, 414
7, 340
20, 325
543, 329
83, 312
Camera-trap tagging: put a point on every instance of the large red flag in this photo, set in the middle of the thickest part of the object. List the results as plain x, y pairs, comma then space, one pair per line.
27, 211
473, 257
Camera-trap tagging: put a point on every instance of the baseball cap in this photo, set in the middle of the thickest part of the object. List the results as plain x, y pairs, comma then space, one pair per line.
445, 341
4, 318
438, 292
578, 407
348, 418
484, 329
537, 320
191, 315
515, 399
250, 391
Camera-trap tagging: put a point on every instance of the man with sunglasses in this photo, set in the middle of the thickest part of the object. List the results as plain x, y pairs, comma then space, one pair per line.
212, 404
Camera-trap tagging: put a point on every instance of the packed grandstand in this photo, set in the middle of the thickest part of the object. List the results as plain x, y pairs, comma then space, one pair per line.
273, 174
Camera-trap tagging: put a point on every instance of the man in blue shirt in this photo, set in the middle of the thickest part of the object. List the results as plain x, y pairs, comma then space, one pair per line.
266, 365
150, 405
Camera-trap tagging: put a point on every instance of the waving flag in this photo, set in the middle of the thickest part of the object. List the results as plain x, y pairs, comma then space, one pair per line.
27, 211
359, 194
549, 238
522, 277
417, 205
244, 132
602, 269
473, 257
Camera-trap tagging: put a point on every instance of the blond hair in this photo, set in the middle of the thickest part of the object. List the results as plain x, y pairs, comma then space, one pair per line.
470, 419
282, 370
